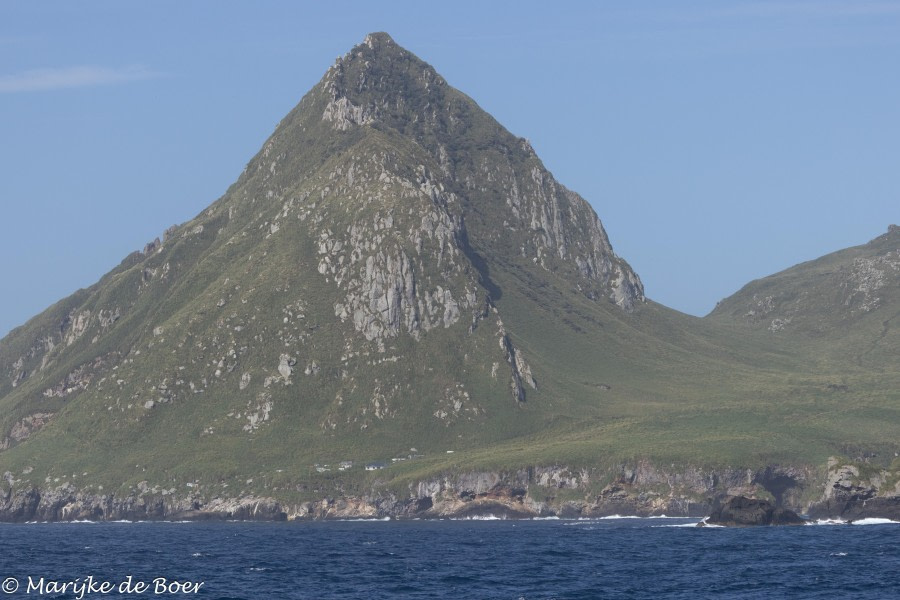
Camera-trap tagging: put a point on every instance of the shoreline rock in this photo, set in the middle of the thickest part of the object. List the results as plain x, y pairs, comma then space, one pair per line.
850, 495
537, 492
740, 511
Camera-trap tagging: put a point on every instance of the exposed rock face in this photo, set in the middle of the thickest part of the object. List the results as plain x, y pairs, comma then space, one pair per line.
738, 511
866, 277
30, 424
286, 366
64, 503
382, 268
468, 495
850, 496
378, 84
519, 369
642, 490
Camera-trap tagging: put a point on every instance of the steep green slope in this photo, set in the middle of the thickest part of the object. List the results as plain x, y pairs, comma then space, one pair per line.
395, 275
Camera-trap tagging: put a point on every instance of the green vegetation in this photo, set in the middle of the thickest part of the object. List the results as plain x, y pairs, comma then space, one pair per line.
233, 358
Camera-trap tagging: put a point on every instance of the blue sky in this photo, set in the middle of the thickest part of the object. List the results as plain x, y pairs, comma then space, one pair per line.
718, 141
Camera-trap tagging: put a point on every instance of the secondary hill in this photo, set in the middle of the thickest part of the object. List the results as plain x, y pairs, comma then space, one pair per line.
845, 306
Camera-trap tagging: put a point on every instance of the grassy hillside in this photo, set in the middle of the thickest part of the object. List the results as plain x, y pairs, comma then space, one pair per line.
841, 308
394, 275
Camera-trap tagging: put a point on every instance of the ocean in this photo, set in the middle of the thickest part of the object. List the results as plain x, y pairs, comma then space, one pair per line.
511, 560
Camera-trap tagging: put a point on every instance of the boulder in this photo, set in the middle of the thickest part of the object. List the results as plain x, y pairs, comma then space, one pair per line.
739, 511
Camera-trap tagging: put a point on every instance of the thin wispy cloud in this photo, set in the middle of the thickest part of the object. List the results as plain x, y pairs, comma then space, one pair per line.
42, 80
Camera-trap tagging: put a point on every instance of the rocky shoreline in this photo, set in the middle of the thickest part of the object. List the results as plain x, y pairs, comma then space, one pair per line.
642, 491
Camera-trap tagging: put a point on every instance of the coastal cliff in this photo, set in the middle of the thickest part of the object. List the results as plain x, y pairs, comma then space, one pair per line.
528, 493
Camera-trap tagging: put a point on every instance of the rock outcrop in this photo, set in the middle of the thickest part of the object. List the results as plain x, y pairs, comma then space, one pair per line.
64, 503
525, 493
738, 511
854, 492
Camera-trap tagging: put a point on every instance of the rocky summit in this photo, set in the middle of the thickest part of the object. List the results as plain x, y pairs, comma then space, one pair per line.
396, 310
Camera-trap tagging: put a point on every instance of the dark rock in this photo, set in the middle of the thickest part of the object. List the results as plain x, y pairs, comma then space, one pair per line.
850, 497
876, 508
66, 504
738, 511
152, 247
168, 233
857, 504
423, 504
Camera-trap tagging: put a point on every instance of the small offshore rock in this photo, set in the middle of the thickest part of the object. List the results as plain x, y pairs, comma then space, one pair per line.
740, 511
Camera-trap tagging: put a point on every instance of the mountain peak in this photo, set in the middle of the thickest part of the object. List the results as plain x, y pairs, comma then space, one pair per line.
377, 51
378, 70
389, 236
378, 38
383, 93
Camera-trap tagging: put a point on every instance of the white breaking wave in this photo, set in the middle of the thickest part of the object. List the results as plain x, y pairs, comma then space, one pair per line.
707, 524
592, 521
869, 521
874, 521
616, 517
827, 522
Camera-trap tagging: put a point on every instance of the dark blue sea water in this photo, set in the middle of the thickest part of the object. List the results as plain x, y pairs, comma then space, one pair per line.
610, 558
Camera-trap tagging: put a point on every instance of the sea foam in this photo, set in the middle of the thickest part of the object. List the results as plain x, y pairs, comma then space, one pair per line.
875, 521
